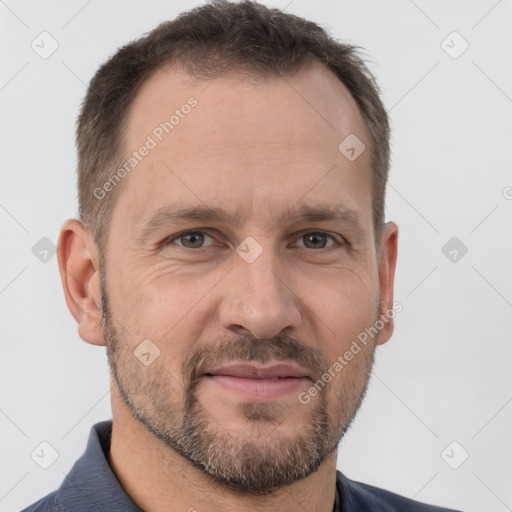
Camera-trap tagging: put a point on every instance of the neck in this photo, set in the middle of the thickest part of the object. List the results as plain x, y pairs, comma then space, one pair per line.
158, 479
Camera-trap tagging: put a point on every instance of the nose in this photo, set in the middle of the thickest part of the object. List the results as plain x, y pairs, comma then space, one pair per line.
259, 297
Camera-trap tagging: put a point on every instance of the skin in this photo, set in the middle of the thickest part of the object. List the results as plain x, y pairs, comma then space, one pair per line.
255, 147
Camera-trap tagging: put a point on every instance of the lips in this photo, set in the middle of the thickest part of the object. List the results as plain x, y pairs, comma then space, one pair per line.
261, 383
250, 371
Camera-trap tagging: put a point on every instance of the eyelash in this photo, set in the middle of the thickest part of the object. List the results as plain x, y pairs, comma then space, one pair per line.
168, 241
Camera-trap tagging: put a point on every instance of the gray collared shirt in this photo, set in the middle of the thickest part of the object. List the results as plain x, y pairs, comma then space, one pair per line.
92, 486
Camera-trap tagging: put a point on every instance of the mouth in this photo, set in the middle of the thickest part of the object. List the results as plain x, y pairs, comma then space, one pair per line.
259, 382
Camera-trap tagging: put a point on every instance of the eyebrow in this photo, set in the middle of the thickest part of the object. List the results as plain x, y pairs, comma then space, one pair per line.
174, 214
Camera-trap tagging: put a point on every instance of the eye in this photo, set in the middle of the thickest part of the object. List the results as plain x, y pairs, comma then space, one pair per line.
196, 240
189, 239
318, 240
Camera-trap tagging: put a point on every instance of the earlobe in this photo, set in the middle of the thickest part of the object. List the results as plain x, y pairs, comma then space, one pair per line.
78, 267
387, 265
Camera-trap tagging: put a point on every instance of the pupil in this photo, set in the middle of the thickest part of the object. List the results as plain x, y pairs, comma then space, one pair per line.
191, 236
315, 237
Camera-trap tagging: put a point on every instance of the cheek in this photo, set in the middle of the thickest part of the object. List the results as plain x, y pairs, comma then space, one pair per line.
171, 311
342, 307
153, 297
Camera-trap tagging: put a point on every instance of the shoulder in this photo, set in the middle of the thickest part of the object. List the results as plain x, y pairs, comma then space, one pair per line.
47, 504
364, 497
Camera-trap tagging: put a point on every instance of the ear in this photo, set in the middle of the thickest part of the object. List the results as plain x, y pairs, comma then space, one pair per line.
78, 266
387, 264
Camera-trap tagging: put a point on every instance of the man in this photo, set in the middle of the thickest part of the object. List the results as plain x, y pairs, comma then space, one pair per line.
232, 255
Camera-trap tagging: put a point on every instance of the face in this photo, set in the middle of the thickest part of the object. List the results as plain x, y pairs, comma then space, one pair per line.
240, 267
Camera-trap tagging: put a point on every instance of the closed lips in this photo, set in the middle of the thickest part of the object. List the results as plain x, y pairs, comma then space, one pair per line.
280, 371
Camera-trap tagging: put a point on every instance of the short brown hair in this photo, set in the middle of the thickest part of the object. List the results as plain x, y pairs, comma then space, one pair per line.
210, 41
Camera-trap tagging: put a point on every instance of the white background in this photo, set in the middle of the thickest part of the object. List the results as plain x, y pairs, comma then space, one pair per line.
445, 374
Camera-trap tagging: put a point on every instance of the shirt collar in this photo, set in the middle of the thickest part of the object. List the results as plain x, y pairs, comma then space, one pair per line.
91, 483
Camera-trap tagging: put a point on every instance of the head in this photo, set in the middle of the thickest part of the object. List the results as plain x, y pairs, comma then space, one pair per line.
232, 167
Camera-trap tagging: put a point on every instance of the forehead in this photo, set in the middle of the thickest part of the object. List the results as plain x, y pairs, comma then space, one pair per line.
251, 144
314, 95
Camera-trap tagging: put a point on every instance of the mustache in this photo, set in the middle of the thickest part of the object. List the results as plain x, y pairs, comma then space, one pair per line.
248, 348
